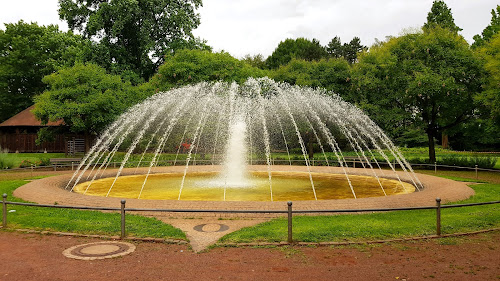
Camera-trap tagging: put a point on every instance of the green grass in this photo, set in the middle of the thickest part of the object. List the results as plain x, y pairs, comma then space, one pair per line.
79, 221
379, 225
18, 158
463, 179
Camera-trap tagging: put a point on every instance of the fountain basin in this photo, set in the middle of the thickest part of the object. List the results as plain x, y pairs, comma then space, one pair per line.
207, 186
51, 190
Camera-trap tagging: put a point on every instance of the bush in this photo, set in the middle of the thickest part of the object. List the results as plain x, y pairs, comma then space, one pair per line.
463, 161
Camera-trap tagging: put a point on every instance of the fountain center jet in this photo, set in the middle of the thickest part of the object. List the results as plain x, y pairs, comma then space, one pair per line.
234, 173
239, 142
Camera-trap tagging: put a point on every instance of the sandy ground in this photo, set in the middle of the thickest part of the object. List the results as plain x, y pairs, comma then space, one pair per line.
39, 257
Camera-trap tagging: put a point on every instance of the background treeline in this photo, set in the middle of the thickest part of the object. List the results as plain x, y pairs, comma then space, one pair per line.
419, 87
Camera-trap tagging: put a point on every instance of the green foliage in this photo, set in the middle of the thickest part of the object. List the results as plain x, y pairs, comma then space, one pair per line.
85, 97
352, 50
335, 48
463, 161
300, 48
193, 66
133, 36
491, 30
478, 134
490, 97
332, 74
426, 81
255, 61
28, 52
440, 15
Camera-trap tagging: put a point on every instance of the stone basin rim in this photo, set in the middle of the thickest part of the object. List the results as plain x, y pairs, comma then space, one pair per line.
51, 191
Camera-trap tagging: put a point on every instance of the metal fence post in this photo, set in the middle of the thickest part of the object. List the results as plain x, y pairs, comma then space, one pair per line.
123, 219
476, 172
438, 216
4, 210
435, 167
290, 238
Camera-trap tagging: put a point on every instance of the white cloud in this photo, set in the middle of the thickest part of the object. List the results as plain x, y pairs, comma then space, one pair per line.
257, 26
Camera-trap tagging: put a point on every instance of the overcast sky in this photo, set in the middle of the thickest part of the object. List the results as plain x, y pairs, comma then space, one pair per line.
243, 27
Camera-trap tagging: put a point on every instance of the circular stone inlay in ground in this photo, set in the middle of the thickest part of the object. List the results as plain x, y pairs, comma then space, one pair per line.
99, 250
211, 227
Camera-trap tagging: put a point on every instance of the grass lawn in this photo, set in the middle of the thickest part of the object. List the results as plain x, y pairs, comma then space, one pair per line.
78, 221
306, 228
379, 225
36, 158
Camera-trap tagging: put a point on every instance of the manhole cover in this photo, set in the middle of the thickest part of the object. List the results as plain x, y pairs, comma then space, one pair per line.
211, 227
99, 250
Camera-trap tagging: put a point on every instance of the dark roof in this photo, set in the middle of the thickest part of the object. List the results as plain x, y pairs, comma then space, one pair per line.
27, 118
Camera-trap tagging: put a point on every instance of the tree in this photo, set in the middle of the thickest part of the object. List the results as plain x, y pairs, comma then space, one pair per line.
352, 50
193, 66
442, 16
85, 97
334, 48
348, 51
331, 74
492, 29
134, 36
432, 76
490, 97
255, 61
28, 52
299, 48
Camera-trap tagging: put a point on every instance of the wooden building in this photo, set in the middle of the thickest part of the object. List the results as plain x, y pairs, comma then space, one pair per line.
19, 133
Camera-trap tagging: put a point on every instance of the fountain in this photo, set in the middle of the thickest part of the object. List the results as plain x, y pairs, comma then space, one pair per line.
231, 142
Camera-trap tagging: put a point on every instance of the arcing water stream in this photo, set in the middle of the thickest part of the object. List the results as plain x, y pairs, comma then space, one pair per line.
261, 122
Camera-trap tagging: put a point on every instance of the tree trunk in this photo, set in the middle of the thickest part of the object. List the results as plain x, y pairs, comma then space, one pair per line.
444, 141
432, 151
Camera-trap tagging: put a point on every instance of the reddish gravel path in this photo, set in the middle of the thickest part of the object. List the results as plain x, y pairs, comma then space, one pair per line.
38, 257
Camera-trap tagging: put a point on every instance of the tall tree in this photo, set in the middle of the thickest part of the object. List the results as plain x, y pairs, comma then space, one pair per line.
442, 16
490, 97
334, 48
28, 52
352, 50
432, 76
300, 48
85, 97
492, 29
134, 35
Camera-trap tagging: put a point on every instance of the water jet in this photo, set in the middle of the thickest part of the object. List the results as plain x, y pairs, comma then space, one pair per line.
235, 142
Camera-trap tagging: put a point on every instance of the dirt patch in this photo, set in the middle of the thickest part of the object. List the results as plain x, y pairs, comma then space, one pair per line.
38, 257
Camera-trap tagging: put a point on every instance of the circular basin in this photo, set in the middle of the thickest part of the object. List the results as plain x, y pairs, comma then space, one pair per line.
208, 186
